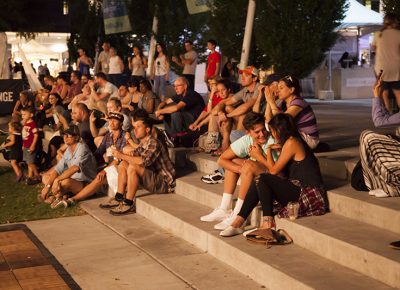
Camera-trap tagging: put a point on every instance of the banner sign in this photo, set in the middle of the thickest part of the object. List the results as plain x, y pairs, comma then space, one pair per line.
9, 95
115, 15
197, 6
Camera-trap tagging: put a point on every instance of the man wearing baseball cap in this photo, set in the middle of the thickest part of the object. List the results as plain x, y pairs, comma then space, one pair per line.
114, 139
267, 92
74, 170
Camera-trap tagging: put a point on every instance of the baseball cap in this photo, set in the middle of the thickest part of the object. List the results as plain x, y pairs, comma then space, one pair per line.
116, 115
272, 78
251, 70
72, 130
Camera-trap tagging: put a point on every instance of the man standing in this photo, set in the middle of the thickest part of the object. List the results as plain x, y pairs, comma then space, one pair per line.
213, 61
181, 110
189, 62
76, 168
148, 165
105, 90
104, 58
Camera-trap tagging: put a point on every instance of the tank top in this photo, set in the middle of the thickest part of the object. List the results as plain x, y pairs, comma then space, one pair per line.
84, 68
137, 68
307, 171
160, 67
114, 67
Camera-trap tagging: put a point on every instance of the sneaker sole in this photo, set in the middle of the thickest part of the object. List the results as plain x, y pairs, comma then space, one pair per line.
212, 181
106, 206
122, 213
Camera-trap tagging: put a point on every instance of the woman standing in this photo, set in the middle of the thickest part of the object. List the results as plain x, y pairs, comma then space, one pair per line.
304, 184
84, 63
160, 71
386, 44
116, 67
137, 64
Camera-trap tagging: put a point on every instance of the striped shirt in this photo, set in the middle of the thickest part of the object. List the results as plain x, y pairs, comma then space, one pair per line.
305, 120
155, 157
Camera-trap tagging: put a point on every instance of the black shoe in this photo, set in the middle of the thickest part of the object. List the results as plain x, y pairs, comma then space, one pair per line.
395, 245
32, 181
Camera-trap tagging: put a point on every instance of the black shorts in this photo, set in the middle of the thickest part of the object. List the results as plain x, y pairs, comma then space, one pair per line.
391, 85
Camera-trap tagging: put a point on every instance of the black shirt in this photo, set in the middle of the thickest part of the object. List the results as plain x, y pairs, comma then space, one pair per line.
194, 102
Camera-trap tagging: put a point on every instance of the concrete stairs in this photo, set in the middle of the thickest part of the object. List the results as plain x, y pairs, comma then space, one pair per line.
345, 248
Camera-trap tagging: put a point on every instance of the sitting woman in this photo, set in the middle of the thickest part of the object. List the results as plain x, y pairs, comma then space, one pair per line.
23, 102
293, 104
304, 184
220, 90
148, 101
56, 108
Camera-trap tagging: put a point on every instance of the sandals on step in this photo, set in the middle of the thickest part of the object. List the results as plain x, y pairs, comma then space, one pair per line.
269, 237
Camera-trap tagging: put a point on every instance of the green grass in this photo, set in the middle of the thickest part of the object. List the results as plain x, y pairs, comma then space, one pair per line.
18, 202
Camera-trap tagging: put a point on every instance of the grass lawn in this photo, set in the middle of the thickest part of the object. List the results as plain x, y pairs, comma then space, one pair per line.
18, 202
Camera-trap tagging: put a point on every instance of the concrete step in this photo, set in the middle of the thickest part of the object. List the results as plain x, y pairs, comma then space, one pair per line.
343, 200
359, 246
358, 205
337, 164
191, 264
291, 267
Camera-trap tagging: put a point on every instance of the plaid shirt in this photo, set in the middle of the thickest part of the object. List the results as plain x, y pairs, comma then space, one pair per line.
108, 142
155, 157
311, 202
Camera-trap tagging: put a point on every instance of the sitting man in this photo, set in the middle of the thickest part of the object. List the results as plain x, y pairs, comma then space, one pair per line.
113, 105
116, 138
76, 168
181, 110
231, 112
105, 90
147, 165
261, 105
236, 162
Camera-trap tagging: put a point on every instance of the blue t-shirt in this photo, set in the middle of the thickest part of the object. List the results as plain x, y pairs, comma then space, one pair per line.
241, 147
81, 157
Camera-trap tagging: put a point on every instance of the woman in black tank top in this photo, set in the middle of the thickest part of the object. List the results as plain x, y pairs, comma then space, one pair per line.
304, 184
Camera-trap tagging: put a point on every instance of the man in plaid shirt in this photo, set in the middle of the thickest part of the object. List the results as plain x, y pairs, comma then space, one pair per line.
148, 165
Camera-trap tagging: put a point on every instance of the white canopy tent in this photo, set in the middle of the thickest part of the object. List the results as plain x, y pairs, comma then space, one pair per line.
359, 21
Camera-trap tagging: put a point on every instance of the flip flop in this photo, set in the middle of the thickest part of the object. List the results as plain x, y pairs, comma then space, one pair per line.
269, 237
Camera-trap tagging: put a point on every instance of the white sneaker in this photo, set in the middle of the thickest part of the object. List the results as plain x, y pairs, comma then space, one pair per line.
378, 193
231, 231
217, 215
226, 222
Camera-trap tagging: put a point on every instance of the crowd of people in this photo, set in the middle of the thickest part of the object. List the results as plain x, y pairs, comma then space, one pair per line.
103, 133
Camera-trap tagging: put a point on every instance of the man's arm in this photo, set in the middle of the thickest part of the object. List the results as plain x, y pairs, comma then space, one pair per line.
172, 109
226, 161
242, 109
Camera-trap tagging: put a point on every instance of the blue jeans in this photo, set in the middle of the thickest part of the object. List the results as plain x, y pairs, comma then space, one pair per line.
159, 86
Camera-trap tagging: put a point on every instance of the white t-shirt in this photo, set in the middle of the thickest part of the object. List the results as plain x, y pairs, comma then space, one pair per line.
241, 147
111, 89
190, 69
104, 58
114, 65
387, 45
160, 66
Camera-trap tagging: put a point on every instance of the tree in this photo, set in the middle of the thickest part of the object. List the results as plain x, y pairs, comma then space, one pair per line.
291, 34
392, 6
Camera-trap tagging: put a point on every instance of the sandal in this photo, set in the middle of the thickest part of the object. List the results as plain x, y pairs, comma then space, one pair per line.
269, 237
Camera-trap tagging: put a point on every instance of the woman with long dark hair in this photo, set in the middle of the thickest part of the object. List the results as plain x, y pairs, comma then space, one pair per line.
160, 71
293, 104
304, 184
137, 64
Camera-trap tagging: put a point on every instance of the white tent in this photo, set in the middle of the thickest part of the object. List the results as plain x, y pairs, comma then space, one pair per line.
361, 19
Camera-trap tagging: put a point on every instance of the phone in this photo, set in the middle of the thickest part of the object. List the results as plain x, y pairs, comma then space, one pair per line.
380, 74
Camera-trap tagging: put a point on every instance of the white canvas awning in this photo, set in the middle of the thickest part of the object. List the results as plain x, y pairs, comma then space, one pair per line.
361, 18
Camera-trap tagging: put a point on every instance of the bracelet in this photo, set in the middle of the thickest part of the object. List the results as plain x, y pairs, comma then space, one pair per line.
47, 185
